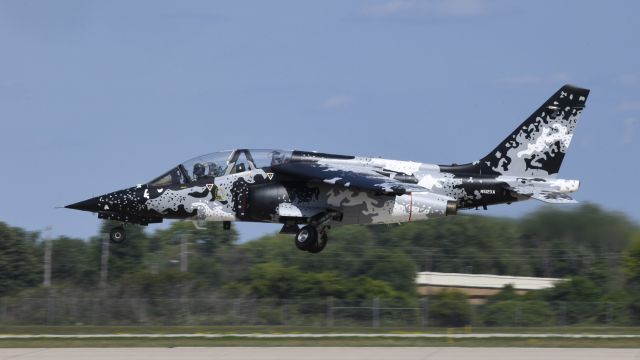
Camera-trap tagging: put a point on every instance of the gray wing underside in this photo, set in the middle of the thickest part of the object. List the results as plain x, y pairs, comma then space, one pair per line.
352, 177
545, 195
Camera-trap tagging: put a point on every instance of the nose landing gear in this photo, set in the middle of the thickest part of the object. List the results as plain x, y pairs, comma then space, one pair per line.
118, 235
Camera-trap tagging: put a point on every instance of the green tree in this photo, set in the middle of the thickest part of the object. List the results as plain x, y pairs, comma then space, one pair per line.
449, 308
632, 271
517, 313
168, 284
632, 264
124, 258
363, 287
351, 251
19, 267
203, 240
273, 280
575, 300
471, 244
586, 242
507, 293
72, 262
507, 308
204, 247
391, 266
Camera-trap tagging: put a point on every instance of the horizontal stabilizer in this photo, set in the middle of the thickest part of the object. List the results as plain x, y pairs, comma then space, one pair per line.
554, 197
546, 195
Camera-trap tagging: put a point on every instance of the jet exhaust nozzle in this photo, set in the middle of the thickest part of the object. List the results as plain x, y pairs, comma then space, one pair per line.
452, 208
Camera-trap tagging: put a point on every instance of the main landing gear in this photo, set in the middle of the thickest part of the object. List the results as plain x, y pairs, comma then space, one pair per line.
118, 235
313, 237
310, 239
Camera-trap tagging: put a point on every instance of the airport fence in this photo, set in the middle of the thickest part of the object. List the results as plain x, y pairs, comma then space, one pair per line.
327, 312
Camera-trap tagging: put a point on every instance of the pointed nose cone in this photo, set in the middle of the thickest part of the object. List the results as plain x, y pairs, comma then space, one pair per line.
86, 205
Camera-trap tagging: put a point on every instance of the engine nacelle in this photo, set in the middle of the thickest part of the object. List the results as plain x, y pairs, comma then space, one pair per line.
264, 199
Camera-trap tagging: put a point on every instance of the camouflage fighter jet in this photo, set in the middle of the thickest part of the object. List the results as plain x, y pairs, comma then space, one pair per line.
316, 190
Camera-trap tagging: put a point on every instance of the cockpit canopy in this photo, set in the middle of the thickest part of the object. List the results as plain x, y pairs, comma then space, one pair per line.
207, 167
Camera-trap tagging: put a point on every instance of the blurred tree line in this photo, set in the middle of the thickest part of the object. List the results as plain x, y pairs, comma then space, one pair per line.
598, 251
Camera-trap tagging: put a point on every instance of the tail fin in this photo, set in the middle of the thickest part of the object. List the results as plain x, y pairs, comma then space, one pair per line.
537, 147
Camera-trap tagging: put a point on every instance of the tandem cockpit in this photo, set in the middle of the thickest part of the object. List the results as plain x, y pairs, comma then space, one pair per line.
207, 167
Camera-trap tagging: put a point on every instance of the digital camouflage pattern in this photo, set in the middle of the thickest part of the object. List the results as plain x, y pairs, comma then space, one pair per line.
301, 187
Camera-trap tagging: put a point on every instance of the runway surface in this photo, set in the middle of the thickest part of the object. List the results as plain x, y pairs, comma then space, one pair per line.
311, 353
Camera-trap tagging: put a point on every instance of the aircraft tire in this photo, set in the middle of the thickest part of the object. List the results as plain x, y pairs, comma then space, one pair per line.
319, 244
118, 235
306, 238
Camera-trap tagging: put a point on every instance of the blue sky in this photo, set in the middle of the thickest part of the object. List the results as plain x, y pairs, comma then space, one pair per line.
98, 96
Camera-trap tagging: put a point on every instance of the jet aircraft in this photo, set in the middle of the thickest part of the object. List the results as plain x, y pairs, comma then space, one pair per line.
307, 192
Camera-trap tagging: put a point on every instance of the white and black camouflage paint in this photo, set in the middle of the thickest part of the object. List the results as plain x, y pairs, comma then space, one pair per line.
299, 186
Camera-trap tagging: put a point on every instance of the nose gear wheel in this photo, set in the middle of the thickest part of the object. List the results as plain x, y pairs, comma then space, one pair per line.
118, 235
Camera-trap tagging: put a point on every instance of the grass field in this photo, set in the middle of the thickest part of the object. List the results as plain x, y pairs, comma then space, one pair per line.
86, 329
326, 341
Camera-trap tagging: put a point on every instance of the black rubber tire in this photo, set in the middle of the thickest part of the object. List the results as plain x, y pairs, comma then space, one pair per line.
306, 237
118, 235
320, 244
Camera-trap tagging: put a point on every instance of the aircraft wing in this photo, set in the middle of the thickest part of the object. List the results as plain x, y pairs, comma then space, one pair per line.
353, 177
546, 195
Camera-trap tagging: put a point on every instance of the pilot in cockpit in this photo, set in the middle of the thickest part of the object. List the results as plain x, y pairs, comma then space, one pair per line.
198, 171
215, 170
277, 158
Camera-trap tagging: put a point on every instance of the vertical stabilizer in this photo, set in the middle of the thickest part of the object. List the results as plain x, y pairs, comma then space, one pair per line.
537, 147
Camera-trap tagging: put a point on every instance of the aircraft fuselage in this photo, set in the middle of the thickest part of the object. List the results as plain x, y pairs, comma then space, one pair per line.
317, 189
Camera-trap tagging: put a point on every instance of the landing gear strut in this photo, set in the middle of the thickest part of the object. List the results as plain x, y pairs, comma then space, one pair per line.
118, 235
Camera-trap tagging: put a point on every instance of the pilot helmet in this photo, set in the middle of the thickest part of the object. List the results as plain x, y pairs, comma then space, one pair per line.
198, 170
